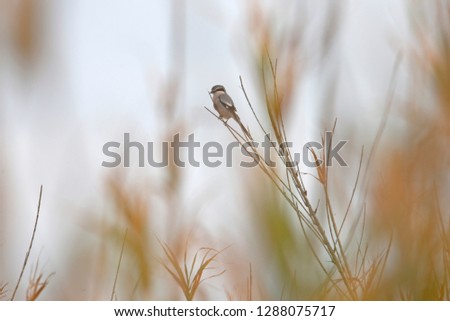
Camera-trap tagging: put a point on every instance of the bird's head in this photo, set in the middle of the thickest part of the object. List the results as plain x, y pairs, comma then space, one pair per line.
217, 88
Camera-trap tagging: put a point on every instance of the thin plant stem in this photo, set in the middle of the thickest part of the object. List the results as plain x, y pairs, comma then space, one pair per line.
118, 265
27, 255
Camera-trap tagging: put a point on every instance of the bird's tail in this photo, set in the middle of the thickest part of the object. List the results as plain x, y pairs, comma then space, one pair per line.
244, 130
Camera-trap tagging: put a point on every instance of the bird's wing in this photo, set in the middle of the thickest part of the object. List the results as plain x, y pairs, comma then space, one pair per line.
227, 101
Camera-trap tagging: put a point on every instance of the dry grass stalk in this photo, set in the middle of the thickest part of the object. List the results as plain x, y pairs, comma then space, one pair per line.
250, 284
3, 290
27, 255
133, 210
353, 282
294, 191
189, 276
113, 292
37, 284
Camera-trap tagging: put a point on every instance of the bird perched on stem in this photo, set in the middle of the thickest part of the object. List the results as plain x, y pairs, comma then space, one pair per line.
225, 107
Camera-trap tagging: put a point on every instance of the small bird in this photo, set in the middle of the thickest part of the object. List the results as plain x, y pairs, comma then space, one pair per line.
225, 106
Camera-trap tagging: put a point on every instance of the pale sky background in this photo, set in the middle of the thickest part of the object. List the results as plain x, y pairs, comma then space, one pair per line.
98, 73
